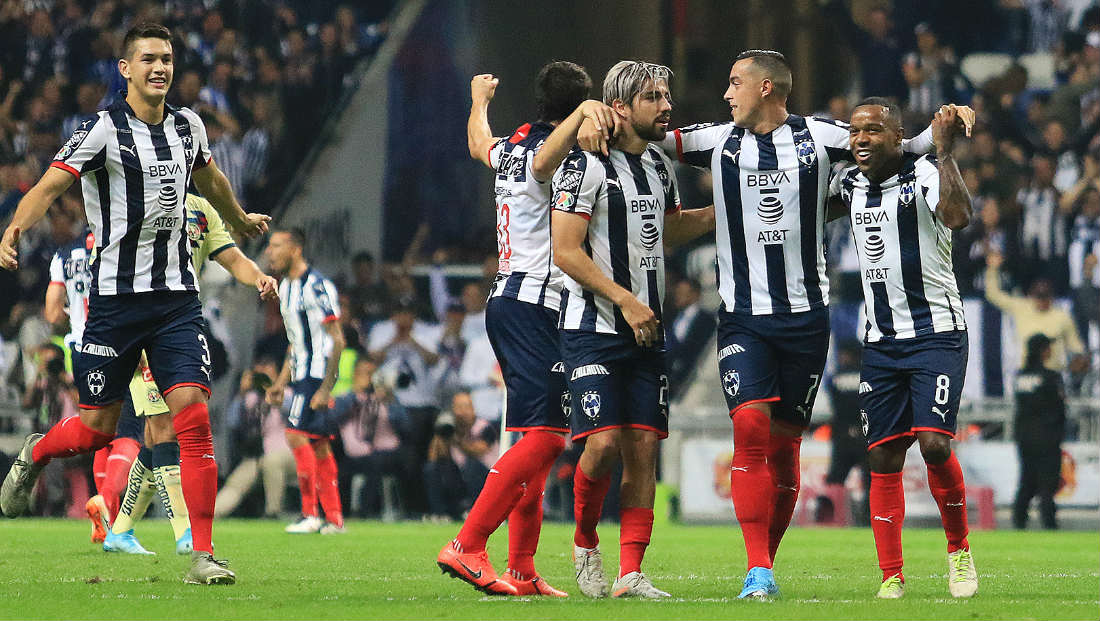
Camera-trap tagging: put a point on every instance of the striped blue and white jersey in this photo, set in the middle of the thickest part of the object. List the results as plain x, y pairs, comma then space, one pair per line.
69, 269
769, 199
904, 251
134, 179
625, 198
307, 303
526, 269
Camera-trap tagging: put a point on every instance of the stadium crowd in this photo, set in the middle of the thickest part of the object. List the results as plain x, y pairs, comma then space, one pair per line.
419, 395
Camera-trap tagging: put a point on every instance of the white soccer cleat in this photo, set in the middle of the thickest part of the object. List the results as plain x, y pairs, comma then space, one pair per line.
331, 529
962, 577
588, 564
307, 525
636, 584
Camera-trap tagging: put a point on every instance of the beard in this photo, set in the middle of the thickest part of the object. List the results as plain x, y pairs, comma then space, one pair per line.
650, 132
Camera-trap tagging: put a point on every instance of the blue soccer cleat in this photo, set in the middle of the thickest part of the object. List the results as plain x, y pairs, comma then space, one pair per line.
126, 542
759, 584
183, 544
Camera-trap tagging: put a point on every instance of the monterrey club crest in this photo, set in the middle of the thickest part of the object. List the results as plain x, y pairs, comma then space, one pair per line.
96, 381
590, 403
807, 153
907, 193
731, 382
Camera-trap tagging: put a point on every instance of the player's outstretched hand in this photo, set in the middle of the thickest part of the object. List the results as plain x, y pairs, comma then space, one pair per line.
9, 249
254, 225
592, 138
275, 395
483, 87
268, 287
642, 320
320, 400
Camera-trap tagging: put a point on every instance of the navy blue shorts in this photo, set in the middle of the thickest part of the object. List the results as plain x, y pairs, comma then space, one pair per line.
525, 340
130, 425
912, 385
614, 383
300, 417
773, 358
167, 325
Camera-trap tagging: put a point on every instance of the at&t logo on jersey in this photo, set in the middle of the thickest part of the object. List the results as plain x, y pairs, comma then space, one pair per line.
770, 209
650, 236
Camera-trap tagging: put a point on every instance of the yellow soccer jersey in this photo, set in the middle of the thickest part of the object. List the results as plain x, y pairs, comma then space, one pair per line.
206, 231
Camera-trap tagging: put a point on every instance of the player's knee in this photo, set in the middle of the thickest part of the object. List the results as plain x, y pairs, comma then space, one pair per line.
603, 444
887, 458
935, 448
322, 449
159, 429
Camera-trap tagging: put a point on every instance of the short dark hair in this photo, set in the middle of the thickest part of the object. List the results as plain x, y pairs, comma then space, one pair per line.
363, 257
560, 87
144, 30
297, 236
893, 110
774, 65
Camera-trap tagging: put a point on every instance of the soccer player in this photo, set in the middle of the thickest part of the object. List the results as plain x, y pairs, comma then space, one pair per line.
613, 214
903, 208
771, 174
67, 298
135, 161
157, 468
521, 320
308, 303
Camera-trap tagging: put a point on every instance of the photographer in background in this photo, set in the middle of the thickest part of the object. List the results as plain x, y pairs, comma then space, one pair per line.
369, 441
51, 396
260, 451
1040, 427
406, 350
462, 449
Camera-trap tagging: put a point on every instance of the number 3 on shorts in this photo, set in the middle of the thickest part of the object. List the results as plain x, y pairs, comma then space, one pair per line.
205, 349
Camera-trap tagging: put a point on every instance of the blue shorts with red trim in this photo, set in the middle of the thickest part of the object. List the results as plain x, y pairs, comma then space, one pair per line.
301, 417
614, 383
912, 385
773, 358
525, 340
168, 326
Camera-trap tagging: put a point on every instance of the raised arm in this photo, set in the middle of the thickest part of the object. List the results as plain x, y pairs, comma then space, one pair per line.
479, 136
954, 209
247, 272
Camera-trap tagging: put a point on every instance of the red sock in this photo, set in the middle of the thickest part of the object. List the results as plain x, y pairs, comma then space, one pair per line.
635, 528
306, 462
525, 524
751, 483
503, 488
887, 516
588, 495
123, 453
198, 471
328, 489
70, 436
949, 490
783, 453
99, 468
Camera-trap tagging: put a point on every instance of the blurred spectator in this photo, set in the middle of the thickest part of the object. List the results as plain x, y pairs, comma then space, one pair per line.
990, 233
931, 73
849, 445
875, 46
1040, 426
370, 444
1043, 236
452, 351
1035, 314
687, 334
259, 447
481, 376
463, 447
368, 294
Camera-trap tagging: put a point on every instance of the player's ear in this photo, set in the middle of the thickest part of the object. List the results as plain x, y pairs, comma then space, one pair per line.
766, 87
124, 68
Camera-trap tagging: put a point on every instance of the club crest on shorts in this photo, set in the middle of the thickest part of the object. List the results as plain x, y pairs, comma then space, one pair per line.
96, 381
590, 403
566, 405
731, 382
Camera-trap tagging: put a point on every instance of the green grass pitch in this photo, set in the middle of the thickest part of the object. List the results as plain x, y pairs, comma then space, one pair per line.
49, 570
